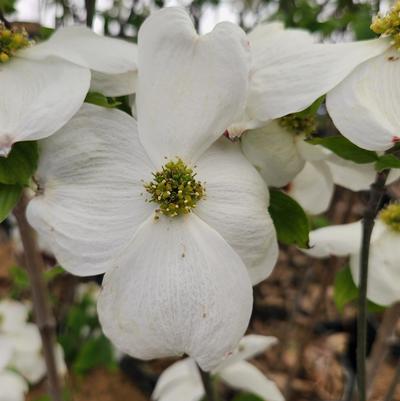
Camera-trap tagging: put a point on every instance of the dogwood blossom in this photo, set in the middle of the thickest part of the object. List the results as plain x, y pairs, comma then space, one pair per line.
182, 382
384, 271
290, 71
308, 172
365, 106
24, 338
171, 211
44, 85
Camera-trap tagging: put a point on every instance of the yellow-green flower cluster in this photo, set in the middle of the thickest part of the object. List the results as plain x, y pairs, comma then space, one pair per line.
389, 25
11, 40
299, 125
391, 216
175, 189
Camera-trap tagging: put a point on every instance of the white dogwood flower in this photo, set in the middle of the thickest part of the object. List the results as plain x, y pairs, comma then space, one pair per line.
384, 270
13, 386
365, 106
290, 71
309, 172
44, 85
182, 382
172, 213
22, 351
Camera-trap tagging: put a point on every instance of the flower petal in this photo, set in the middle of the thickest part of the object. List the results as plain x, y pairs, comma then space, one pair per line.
383, 271
236, 206
365, 107
313, 187
13, 316
273, 152
290, 74
6, 351
190, 87
38, 98
114, 84
249, 346
244, 376
179, 382
353, 176
179, 288
27, 339
339, 240
91, 200
13, 387
83, 47
31, 365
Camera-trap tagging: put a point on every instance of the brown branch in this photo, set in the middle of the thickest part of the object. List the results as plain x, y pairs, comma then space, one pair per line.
44, 319
376, 193
380, 348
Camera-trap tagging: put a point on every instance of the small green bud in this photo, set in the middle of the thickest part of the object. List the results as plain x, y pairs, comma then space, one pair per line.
12, 40
389, 24
175, 189
391, 216
299, 125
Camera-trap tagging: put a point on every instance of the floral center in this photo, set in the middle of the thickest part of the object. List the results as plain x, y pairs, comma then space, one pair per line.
299, 125
175, 189
12, 40
389, 24
391, 216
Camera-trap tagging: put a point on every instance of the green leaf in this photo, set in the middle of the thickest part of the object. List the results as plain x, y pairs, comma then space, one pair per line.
387, 161
100, 100
345, 149
51, 274
345, 291
247, 397
94, 352
289, 218
9, 196
20, 164
311, 110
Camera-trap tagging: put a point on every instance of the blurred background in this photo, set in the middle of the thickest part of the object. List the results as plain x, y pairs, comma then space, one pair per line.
315, 357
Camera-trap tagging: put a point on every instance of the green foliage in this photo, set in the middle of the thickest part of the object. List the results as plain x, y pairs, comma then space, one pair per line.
7, 6
318, 222
247, 397
85, 347
311, 110
387, 161
289, 218
345, 291
21, 163
94, 352
9, 196
20, 281
345, 149
100, 100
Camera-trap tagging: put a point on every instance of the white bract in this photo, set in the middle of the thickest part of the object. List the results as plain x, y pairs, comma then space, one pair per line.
179, 258
44, 85
384, 269
309, 172
365, 107
182, 382
290, 71
22, 344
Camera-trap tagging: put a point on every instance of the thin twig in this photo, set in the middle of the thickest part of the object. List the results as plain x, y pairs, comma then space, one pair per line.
43, 316
4, 20
90, 6
376, 194
380, 348
208, 385
395, 381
